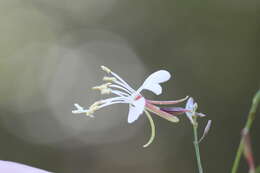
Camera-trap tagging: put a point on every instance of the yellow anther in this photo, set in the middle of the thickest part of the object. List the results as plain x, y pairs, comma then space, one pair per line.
104, 68
106, 91
93, 108
96, 88
109, 79
101, 87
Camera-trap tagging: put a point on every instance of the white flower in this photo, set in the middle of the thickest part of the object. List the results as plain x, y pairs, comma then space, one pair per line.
125, 93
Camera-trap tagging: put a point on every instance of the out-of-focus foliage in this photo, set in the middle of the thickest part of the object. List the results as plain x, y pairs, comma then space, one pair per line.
50, 55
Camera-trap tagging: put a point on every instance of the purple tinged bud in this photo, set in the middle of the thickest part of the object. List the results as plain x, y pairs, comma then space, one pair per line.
200, 114
175, 110
206, 130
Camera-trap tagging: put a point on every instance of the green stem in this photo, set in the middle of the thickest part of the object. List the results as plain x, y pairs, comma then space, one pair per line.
248, 125
257, 170
196, 146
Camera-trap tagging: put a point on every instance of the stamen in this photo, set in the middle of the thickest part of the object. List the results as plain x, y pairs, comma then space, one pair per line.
101, 87
123, 83
119, 93
79, 109
152, 129
103, 103
113, 100
121, 88
97, 103
106, 91
90, 113
112, 103
109, 79
124, 86
104, 68
108, 100
93, 108
113, 79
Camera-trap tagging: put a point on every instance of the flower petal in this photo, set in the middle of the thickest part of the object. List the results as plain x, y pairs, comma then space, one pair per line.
152, 83
8, 166
136, 110
161, 113
190, 104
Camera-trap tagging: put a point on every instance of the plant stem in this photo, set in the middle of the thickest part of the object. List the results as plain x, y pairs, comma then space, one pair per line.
196, 146
248, 125
257, 170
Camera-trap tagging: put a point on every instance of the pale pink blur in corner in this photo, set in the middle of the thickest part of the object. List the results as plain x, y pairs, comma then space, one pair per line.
12, 167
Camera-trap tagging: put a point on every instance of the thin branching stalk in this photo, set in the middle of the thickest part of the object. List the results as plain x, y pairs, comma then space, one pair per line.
196, 146
248, 125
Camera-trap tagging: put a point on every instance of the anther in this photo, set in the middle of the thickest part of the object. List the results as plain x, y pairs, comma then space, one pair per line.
104, 68
101, 87
106, 91
93, 108
109, 79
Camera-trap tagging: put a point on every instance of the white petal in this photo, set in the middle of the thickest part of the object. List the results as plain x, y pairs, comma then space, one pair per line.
155, 88
190, 106
8, 166
136, 110
152, 83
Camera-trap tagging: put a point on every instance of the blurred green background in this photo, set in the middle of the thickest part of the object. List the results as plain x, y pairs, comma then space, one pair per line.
50, 55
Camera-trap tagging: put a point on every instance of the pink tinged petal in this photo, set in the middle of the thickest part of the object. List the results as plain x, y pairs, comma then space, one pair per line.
171, 102
152, 83
206, 130
161, 113
136, 110
12, 167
